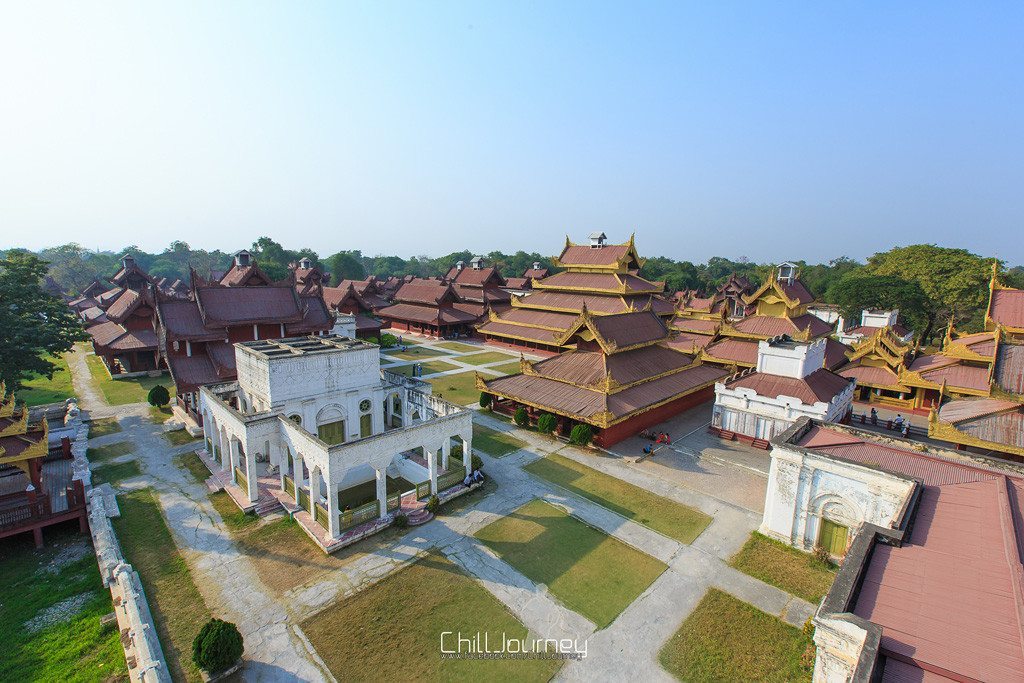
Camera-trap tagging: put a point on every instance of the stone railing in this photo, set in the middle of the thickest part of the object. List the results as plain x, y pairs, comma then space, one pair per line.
142, 649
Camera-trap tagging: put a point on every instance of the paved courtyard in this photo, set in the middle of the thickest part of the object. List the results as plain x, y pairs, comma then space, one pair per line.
723, 480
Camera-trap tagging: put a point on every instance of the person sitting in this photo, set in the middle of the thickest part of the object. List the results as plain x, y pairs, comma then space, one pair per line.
906, 430
898, 421
647, 450
874, 416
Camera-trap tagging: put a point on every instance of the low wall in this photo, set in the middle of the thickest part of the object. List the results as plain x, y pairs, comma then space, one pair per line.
134, 621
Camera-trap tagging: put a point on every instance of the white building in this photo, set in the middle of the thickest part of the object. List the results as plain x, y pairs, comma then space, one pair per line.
789, 382
871, 321
344, 325
317, 419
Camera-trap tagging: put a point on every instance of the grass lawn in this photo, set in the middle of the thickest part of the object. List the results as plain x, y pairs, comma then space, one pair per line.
429, 368
180, 437
725, 639
68, 646
177, 606
359, 641
234, 518
459, 388
117, 392
414, 353
115, 473
486, 357
160, 413
109, 452
195, 466
589, 571
505, 368
673, 519
39, 390
786, 567
459, 347
494, 443
103, 427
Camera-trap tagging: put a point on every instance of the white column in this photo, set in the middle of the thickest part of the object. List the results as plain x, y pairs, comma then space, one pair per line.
332, 510
387, 411
250, 474
432, 467
233, 458
282, 466
298, 476
225, 451
446, 448
467, 454
382, 490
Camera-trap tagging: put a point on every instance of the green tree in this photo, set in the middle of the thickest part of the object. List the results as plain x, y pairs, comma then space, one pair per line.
35, 324
546, 423
521, 417
859, 289
158, 396
217, 646
347, 265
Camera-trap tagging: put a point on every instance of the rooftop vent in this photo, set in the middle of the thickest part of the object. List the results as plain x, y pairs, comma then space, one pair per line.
787, 273
536, 265
459, 265
597, 239
305, 263
477, 262
127, 261
243, 258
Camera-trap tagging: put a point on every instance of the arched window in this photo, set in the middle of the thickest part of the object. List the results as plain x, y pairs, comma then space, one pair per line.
297, 419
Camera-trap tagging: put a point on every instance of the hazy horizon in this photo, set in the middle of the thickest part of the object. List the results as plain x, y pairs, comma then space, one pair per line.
775, 132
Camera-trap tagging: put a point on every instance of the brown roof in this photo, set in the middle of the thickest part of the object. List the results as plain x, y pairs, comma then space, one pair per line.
475, 277
982, 343
869, 374
938, 368
1009, 372
1007, 307
517, 282
502, 329
771, 326
191, 372
535, 273
315, 317
583, 255
835, 353
868, 330
797, 290
695, 325
182, 319
996, 421
685, 341
550, 319
116, 338
590, 368
125, 305
598, 281
225, 306
422, 291
821, 385
426, 314
240, 276
742, 351
630, 329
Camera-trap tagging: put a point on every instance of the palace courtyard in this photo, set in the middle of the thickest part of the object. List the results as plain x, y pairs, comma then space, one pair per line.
530, 552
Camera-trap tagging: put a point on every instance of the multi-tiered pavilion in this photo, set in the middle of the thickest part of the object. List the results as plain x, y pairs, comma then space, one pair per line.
599, 278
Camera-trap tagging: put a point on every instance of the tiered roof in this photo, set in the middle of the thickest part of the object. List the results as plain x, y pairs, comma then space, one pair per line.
429, 302
600, 279
779, 306
879, 361
19, 441
621, 366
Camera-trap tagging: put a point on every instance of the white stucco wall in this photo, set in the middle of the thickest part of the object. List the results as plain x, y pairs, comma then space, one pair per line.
739, 409
804, 487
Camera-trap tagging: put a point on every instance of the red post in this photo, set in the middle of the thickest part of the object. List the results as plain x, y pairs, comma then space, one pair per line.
65, 447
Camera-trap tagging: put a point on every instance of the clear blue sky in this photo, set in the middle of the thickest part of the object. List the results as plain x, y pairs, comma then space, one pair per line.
768, 130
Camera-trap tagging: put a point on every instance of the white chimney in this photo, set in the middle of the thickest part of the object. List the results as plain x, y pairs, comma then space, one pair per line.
536, 265
597, 239
784, 357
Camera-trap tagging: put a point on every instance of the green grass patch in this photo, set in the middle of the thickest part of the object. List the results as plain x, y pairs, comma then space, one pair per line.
118, 392
505, 368
725, 639
177, 605
673, 519
458, 347
785, 567
494, 443
72, 647
234, 518
160, 413
486, 357
104, 427
459, 388
191, 462
39, 390
115, 473
427, 597
180, 437
108, 452
429, 368
591, 572
414, 353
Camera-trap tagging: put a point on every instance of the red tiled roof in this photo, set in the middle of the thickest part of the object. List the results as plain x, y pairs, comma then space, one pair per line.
501, 329
240, 276
535, 273
869, 374
419, 291
797, 290
240, 305
695, 324
426, 314
475, 277
959, 375
738, 350
315, 317
1009, 372
630, 329
821, 385
983, 343
222, 355
125, 305
1007, 307
182, 319
999, 422
527, 316
115, 337
191, 372
835, 353
592, 367
685, 341
516, 282
771, 326
583, 255
94, 315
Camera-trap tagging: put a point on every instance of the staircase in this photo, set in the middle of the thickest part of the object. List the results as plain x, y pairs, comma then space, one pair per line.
762, 444
416, 512
266, 506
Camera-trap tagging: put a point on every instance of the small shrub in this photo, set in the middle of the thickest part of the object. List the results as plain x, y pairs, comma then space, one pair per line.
456, 452
373, 340
485, 399
547, 423
808, 657
388, 340
217, 647
581, 435
822, 555
521, 417
476, 462
159, 396
433, 505
400, 521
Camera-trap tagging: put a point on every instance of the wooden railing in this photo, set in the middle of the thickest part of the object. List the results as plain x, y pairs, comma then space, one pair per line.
363, 513
450, 479
320, 515
32, 512
242, 480
289, 486
304, 499
394, 501
423, 490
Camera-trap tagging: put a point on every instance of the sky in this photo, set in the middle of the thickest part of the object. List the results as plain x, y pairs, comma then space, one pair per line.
768, 130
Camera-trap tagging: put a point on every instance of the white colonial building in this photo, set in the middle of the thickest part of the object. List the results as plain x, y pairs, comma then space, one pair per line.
789, 382
317, 419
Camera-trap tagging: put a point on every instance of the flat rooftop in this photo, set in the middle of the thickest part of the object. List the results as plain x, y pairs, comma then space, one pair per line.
300, 346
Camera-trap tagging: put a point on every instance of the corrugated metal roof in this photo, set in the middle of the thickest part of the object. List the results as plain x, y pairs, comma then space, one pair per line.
821, 385
1008, 307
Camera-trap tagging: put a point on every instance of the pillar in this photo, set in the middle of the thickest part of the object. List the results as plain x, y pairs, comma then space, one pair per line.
250, 475
232, 458
432, 468
387, 411
446, 448
333, 529
467, 454
282, 466
225, 451
297, 475
382, 490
